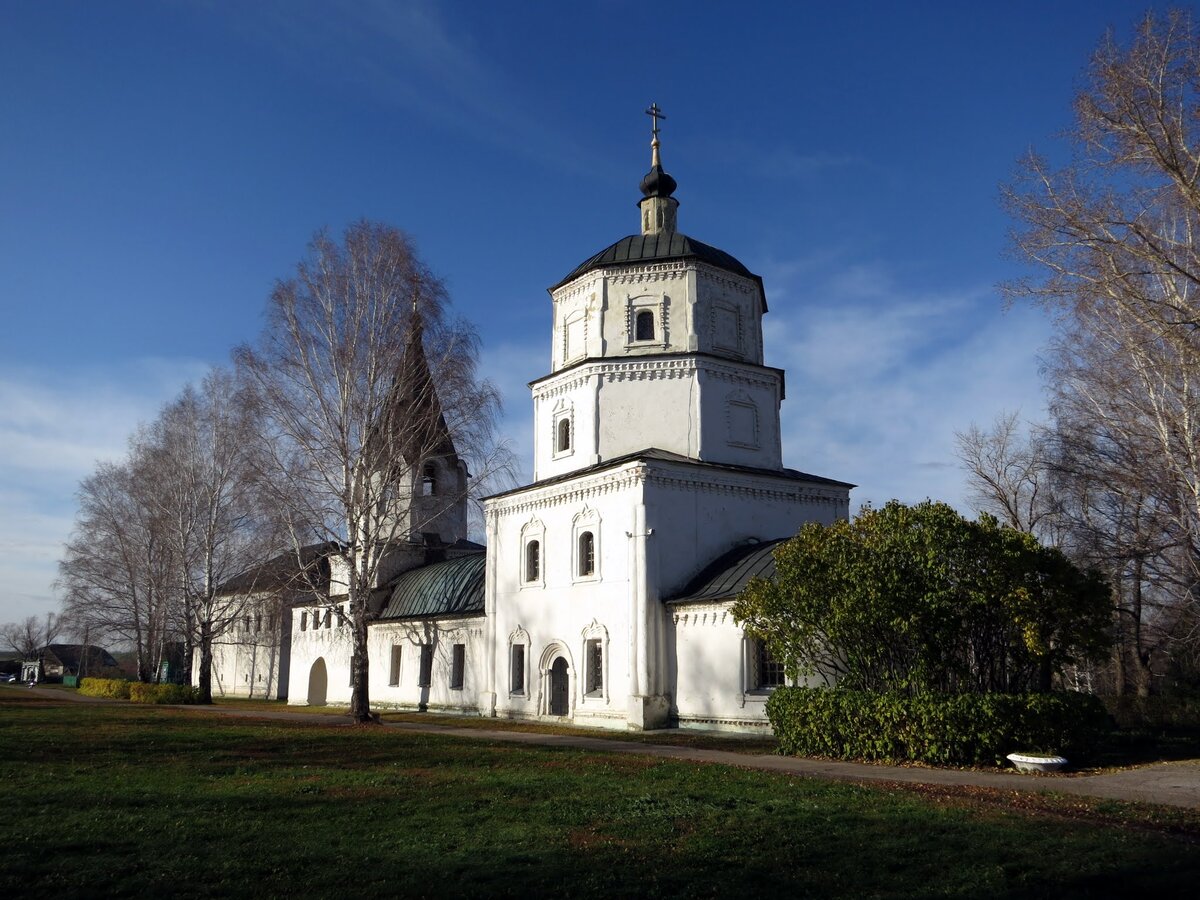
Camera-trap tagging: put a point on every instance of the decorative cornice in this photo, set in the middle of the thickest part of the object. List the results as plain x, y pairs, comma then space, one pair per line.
658, 368
574, 492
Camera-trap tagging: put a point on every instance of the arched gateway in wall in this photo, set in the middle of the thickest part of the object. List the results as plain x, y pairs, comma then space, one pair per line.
318, 683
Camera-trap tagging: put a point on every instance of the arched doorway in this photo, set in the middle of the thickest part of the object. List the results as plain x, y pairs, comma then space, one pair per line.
318, 683
560, 694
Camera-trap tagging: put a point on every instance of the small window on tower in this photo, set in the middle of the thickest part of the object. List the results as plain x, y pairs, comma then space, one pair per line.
644, 330
429, 480
564, 435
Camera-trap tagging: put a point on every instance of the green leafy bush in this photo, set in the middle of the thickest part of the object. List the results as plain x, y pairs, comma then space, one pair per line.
163, 693
943, 729
111, 688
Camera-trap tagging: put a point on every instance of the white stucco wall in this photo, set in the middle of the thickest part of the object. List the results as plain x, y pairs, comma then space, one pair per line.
441, 635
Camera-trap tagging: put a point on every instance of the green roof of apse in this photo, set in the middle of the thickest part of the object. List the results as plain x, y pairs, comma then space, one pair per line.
448, 588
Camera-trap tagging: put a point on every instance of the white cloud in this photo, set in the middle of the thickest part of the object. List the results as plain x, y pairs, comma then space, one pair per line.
879, 379
54, 428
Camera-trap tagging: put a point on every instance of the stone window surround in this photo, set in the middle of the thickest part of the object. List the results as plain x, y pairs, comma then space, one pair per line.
587, 519
595, 635
564, 410
519, 637
656, 304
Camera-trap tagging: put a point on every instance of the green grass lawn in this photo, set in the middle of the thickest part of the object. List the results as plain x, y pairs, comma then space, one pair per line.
103, 800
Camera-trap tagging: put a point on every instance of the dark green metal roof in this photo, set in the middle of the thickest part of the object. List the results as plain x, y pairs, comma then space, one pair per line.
667, 245
449, 588
727, 575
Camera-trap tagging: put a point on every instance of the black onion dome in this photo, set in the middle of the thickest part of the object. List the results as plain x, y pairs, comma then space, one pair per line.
657, 247
658, 183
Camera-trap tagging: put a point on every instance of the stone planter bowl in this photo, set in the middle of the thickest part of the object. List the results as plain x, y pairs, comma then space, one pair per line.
1026, 762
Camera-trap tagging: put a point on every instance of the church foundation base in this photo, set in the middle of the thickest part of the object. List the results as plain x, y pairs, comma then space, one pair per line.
648, 712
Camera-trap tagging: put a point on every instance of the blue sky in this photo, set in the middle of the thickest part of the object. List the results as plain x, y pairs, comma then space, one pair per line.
161, 164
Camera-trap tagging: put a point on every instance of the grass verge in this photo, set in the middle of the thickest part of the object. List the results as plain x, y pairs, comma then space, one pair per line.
104, 800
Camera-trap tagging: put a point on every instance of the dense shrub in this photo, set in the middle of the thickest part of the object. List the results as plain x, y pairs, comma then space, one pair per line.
112, 688
163, 693
944, 729
1170, 710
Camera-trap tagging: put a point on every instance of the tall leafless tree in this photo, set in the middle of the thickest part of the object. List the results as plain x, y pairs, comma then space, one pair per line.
119, 573
1114, 233
1008, 475
201, 468
363, 383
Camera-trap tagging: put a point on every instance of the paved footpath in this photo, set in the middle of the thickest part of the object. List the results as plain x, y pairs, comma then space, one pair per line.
1170, 784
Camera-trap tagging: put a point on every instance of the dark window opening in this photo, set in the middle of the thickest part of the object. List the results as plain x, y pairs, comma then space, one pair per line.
429, 480
458, 664
644, 329
533, 561
426, 676
394, 674
564, 435
517, 678
595, 667
769, 670
587, 554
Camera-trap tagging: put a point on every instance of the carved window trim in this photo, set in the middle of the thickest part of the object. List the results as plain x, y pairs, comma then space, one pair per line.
569, 352
657, 305
739, 338
594, 638
736, 437
587, 520
533, 531
564, 411
519, 637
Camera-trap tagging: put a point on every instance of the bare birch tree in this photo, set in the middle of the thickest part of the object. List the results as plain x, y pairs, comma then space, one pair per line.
202, 477
368, 397
119, 574
1114, 233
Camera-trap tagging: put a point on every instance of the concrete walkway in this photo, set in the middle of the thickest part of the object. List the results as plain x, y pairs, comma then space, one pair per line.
1170, 784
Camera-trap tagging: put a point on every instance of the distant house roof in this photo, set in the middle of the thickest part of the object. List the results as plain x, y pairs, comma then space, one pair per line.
285, 571
71, 655
451, 587
727, 575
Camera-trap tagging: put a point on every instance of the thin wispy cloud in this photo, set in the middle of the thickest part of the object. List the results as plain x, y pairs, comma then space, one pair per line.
880, 378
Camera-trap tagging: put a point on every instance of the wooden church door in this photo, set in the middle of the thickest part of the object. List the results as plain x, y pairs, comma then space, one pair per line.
559, 704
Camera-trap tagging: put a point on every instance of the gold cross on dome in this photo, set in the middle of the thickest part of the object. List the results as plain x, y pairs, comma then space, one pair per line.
655, 113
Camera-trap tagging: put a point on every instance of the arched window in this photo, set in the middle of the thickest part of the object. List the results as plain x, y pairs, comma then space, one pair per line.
644, 330
564, 435
587, 553
428, 480
533, 561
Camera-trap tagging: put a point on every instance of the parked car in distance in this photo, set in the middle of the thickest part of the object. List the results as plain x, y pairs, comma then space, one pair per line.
9, 679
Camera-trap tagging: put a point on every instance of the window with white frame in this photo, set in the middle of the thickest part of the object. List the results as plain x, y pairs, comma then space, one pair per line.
585, 533
533, 570
533, 561
563, 436
646, 321
595, 663
394, 671
458, 666
594, 668
586, 552
643, 329
766, 672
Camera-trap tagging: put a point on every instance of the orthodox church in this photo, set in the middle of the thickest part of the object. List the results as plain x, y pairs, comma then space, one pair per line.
603, 595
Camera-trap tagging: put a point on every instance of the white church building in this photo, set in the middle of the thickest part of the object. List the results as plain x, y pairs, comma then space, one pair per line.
603, 596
